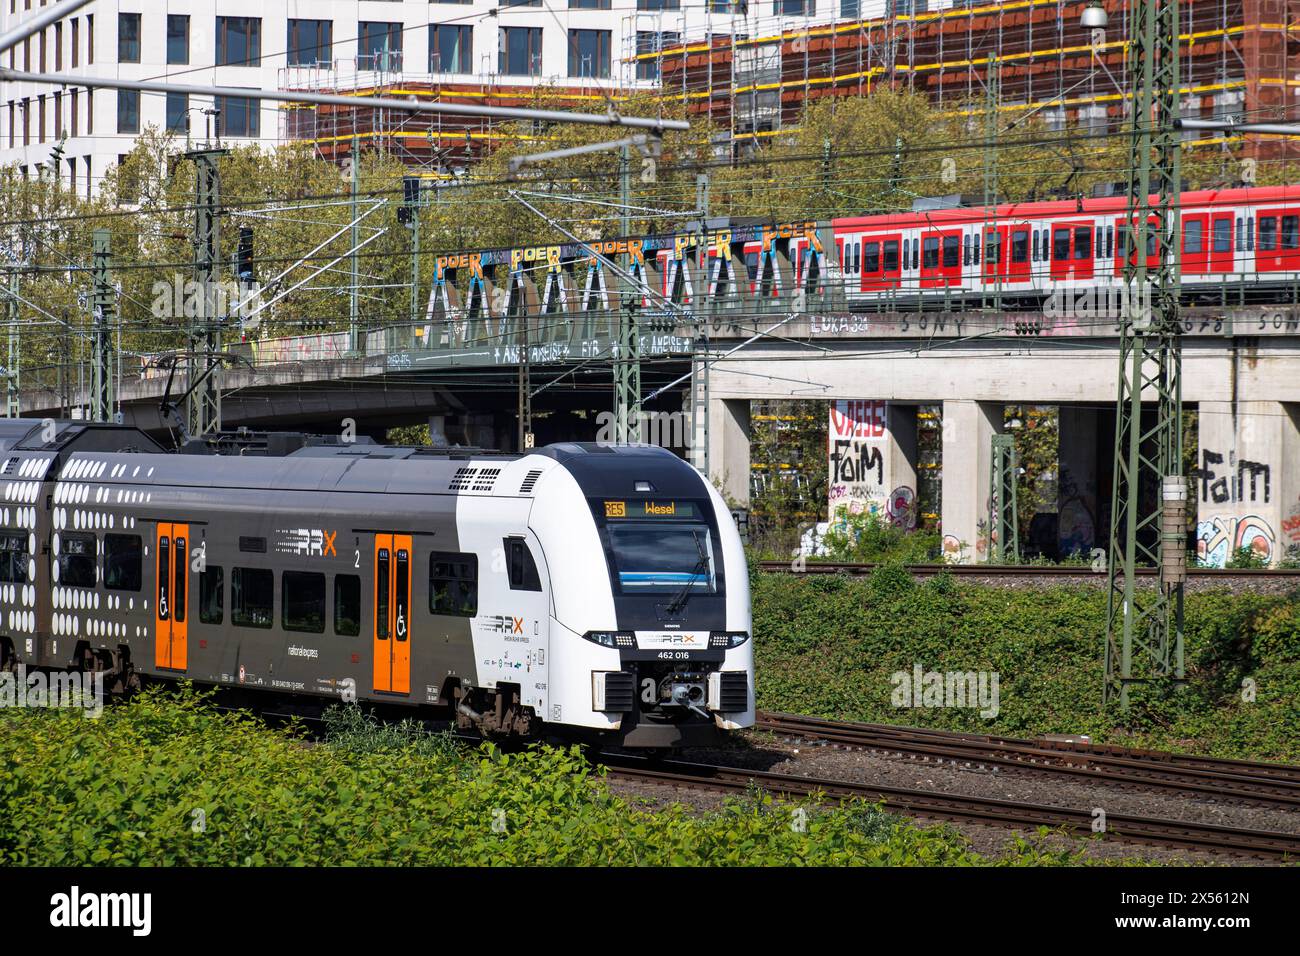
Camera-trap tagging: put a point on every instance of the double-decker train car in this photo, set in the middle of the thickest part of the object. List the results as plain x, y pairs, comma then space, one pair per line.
584, 590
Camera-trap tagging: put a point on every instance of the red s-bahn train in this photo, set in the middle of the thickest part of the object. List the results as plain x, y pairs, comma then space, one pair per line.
1237, 245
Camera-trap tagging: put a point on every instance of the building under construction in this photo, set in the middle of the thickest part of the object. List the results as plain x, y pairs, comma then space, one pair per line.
750, 68
1238, 61
437, 141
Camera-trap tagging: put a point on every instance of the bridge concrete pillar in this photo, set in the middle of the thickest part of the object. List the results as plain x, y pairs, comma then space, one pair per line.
968, 430
438, 431
901, 506
1246, 484
1078, 459
729, 448
480, 429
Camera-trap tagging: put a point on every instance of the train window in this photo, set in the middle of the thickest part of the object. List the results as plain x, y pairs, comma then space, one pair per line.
871, 257
1035, 252
164, 578
976, 251
930, 259
13, 558
751, 263
77, 560
1267, 233
857, 257
402, 580
1223, 235
383, 567
1250, 233
182, 565
1110, 242
662, 558
907, 253
1020, 246
1151, 239
965, 250
1192, 230
916, 252
212, 595
891, 255
951, 251
1241, 239
252, 597
1097, 242
522, 567
347, 605
302, 601
1060, 244
1291, 232
453, 583
123, 561
992, 248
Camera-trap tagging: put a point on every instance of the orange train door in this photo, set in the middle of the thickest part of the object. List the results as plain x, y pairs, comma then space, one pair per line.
393, 613
171, 612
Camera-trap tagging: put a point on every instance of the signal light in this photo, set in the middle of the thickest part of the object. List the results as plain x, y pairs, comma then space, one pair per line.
244, 255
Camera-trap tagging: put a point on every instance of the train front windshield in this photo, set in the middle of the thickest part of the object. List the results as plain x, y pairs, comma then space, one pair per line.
659, 558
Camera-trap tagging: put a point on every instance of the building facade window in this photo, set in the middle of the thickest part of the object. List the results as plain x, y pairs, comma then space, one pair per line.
658, 4
310, 42
240, 116
58, 47
451, 48
128, 38
520, 51
589, 5
649, 44
379, 46
76, 45
178, 108
239, 41
589, 53
178, 39
128, 111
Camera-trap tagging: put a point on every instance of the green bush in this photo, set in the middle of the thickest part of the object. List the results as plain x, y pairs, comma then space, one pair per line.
828, 645
870, 538
168, 780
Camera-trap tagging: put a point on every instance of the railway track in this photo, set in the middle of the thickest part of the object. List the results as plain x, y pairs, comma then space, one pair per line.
1257, 844
1252, 783
1029, 572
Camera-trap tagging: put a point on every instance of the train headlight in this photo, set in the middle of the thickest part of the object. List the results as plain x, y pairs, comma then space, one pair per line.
614, 639
728, 638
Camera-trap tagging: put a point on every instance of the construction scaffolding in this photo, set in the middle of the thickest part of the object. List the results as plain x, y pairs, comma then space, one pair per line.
438, 142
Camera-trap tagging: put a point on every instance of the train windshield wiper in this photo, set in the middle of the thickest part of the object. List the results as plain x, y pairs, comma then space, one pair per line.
701, 565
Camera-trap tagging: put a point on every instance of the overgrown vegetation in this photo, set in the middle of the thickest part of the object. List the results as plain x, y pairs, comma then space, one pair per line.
168, 780
871, 538
828, 645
